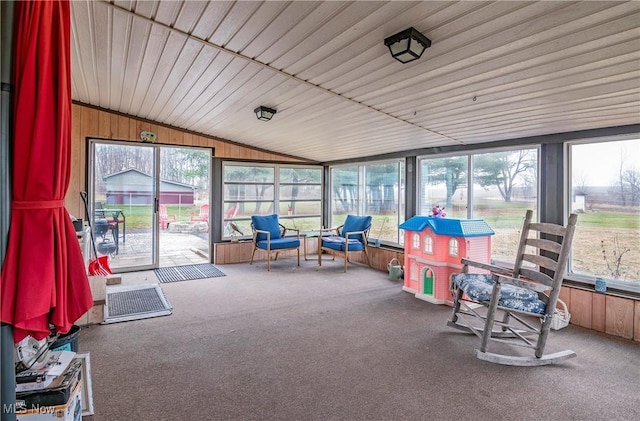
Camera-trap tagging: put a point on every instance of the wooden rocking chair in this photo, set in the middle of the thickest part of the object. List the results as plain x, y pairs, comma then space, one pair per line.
525, 297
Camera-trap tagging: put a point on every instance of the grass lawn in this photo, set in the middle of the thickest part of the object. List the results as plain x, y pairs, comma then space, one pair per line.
140, 216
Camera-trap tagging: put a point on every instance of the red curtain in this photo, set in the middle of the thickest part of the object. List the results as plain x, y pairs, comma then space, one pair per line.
44, 280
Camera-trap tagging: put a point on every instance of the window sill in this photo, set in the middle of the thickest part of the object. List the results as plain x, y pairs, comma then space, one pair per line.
615, 288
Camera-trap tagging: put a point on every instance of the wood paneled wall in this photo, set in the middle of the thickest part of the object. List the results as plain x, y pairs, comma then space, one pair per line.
89, 122
226, 253
618, 316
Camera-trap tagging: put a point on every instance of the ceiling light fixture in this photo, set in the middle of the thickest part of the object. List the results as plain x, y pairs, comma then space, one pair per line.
264, 113
407, 45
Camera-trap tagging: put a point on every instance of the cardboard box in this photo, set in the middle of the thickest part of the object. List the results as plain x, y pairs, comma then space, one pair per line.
94, 316
98, 286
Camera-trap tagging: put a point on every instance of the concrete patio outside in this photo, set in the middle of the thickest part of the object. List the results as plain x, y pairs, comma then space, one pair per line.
176, 248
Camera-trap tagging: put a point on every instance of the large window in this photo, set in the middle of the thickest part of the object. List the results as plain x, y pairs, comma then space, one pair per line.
300, 197
503, 185
605, 192
376, 189
443, 183
603, 186
293, 192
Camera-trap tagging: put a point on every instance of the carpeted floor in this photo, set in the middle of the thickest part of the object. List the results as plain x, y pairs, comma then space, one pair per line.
313, 343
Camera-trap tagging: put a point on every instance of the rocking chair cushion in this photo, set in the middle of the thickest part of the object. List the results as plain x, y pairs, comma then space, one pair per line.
478, 287
338, 243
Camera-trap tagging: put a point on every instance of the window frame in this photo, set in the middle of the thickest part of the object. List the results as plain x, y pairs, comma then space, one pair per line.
470, 184
275, 201
361, 199
587, 278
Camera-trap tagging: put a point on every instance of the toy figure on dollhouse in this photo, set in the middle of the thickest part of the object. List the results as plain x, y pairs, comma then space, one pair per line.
438, 212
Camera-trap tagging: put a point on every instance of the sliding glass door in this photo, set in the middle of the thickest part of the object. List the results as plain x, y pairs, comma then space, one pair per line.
149, 204
123, 203
184, 199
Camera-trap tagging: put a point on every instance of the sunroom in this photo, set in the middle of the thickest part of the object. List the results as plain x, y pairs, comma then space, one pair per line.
511, 106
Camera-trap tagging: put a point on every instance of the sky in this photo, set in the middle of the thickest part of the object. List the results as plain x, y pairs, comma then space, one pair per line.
598, 164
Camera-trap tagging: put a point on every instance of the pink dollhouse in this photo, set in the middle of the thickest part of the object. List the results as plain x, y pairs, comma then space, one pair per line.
433, 247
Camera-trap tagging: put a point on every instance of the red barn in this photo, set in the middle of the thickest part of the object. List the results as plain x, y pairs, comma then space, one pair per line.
133, 187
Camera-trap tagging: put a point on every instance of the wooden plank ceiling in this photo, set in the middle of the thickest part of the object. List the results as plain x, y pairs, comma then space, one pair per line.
495, 70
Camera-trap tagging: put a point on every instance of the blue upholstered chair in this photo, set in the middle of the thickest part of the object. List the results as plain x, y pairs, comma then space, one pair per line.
269, 235
520, 303
350, 237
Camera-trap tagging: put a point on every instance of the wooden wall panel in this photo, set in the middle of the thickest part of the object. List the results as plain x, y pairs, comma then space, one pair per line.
104, 125
164, 134
229, 253
581, 304
234, 150
76, 184
380, 258
176, 137
636, 321
90, 124
619, 317
226, 253
141, 126
219, 254
221, 149
205, 142
598, 312
565, 295
133, 129
114, 120
123, 128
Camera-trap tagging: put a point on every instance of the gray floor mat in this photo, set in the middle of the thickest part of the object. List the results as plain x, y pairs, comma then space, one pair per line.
125, 303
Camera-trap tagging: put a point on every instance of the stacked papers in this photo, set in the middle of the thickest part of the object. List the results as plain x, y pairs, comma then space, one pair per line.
41, 378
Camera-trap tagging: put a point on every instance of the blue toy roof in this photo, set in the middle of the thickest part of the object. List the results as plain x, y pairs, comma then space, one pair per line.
448, 226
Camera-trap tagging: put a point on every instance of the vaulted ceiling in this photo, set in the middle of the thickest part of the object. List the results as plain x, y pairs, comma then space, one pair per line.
495, 70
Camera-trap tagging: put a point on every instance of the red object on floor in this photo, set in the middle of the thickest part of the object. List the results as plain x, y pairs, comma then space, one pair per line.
44, 279
100, 266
